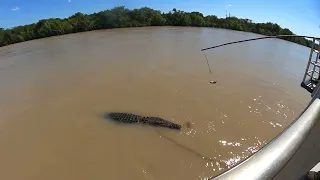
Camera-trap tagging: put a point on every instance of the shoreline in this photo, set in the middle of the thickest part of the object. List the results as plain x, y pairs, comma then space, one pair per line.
123, 28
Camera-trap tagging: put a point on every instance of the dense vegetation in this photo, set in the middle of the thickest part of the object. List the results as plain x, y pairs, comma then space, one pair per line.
120, 17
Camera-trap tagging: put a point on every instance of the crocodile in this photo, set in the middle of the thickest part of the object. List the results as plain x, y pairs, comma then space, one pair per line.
129, 118
133, 118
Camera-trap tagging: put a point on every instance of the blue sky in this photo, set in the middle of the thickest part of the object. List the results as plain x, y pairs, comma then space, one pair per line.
300, 16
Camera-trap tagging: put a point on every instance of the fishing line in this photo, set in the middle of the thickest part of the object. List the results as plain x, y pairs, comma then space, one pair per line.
205, 55
185, 147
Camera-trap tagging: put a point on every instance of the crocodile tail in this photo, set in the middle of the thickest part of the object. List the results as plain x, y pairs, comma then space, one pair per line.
172, 125
156, 121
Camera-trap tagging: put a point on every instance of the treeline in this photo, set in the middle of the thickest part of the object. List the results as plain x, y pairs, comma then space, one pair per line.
120, 17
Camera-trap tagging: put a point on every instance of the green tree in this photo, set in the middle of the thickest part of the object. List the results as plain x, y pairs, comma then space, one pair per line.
81, 22
158, 19
197, 19
211, 21
117, 17
185, 20
143, 16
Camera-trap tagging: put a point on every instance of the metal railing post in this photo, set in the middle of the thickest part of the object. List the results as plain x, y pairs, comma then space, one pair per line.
310, 58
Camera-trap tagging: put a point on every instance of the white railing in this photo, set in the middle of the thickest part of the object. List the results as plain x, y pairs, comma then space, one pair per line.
269, 161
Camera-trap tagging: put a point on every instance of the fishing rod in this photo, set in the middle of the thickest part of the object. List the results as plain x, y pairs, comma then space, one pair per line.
253, 39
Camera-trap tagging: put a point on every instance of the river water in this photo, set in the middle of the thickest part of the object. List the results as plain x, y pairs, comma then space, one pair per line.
54, 91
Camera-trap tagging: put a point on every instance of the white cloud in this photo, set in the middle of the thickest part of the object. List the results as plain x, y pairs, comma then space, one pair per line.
15, 9
229, 5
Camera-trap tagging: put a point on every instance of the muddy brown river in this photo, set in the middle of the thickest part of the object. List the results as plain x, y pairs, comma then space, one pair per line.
54, 90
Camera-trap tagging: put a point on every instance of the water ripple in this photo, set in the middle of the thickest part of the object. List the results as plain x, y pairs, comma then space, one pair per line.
232, 161
279, 108
223, 116
225, 143
237, 157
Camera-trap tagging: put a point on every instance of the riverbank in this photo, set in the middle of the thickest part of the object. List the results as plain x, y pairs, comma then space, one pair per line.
121, 17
